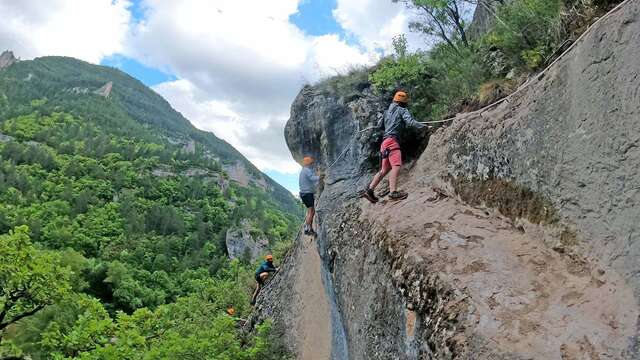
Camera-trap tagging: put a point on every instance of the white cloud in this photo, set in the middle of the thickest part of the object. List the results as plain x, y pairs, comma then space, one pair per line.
258, 137
241, 63
375, 22
87, 29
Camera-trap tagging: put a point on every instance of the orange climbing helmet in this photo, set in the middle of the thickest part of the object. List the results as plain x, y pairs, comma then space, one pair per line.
401, 97
307, 160
269, 257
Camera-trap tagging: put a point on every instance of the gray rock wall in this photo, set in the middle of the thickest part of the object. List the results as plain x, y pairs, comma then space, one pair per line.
7, 59
573, 137
240, 243
520, 237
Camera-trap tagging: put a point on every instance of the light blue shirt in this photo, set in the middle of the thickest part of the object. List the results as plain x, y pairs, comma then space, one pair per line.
308, 180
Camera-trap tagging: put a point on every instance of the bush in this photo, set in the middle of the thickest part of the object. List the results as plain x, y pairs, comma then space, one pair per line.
458, 77
526, 32
411, 73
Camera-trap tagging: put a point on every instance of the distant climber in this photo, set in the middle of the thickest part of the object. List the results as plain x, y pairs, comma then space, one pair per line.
393, 123
308, 183
231, 312
262, 274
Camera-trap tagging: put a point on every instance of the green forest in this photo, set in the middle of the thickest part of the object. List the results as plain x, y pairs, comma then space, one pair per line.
112, 240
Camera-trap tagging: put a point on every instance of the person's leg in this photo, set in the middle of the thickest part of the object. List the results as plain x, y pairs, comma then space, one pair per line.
264, 276
308, 201
378, 177
309, 217
393, 178
395, 159
255, 293
385, 167
311, 213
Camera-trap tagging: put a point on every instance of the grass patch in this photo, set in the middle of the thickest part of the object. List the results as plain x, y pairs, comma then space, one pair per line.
513, 201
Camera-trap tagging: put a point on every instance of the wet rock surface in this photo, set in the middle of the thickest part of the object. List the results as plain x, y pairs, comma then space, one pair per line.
519, 239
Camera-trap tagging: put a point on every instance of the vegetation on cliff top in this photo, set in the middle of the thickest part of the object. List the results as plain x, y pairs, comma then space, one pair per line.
460, 73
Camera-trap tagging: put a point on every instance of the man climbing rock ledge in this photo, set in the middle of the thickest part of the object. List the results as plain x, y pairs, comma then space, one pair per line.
393, 123
308, 182
262, 274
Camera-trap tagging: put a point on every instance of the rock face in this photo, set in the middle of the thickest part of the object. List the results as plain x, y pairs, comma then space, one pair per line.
240, 243
105, 90
7, 59
519, 239
483, 17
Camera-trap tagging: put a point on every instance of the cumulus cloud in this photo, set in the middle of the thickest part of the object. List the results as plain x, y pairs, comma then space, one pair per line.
258, 136
241, 63
374, 23
87, 29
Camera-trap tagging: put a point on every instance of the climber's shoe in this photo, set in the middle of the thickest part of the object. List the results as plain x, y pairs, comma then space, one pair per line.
307, 229
369, 195
398, 195
383, 193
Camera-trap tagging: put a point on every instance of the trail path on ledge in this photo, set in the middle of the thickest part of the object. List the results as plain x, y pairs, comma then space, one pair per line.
314, 323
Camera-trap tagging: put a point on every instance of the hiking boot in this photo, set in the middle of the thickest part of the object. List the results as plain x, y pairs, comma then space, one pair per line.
383, 193
369, 195
398, 195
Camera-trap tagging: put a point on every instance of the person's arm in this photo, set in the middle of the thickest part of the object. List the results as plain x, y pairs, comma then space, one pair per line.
312, 176
409, 120
270, 268
380, 123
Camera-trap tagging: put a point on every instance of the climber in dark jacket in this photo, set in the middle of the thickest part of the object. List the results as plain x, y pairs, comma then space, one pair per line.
393, 123
262, 273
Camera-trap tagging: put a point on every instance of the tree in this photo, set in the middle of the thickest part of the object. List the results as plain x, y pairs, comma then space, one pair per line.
440, 18
30, 279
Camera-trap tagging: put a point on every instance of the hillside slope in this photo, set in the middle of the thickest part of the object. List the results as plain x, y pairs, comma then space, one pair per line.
119, 223
73, 85
519, 239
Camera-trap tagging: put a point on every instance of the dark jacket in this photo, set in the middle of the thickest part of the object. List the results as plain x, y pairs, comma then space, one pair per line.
394, 121
266, 267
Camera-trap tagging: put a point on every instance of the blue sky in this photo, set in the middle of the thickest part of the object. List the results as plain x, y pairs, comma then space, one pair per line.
314, 17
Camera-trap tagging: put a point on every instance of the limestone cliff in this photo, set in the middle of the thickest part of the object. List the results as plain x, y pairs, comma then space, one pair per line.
7, 59
520, 238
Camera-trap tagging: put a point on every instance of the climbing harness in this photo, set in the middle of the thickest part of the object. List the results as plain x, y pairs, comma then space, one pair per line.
384, 154
526, 84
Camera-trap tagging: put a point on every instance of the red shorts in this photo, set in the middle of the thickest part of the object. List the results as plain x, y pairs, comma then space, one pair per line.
395, 156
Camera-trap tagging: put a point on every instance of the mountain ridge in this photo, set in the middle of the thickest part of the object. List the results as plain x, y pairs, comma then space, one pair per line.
85, 79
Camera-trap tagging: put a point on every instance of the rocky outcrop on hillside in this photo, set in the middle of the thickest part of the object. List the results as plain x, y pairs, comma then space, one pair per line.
241, 244
519, 239
7, 59
105, 90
